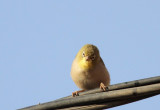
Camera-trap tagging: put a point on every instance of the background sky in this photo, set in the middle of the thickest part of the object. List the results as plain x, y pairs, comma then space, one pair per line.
40, 38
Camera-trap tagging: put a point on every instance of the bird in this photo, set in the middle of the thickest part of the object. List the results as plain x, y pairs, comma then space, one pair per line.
88, 70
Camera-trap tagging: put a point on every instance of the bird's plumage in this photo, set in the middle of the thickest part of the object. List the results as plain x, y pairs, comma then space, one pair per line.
88, 69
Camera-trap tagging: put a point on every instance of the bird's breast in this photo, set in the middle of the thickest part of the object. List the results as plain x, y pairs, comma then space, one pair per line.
88, 78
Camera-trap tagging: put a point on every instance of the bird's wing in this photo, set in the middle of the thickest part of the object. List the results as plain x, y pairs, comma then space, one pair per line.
102, 61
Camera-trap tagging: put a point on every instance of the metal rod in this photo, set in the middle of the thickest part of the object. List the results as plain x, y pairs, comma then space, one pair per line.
124, 85
122, 94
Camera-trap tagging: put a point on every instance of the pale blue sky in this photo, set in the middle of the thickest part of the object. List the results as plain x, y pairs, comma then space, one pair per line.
40, 38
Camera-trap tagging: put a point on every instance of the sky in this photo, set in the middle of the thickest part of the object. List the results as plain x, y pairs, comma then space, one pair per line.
40, 38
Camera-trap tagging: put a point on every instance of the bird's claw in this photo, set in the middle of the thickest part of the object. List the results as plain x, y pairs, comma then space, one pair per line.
103, 87
76, 93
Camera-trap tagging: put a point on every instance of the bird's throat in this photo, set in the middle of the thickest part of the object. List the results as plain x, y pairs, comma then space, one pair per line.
86, 64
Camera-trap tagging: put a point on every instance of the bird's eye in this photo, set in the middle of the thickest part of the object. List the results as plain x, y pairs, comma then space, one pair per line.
83, 54
93, 57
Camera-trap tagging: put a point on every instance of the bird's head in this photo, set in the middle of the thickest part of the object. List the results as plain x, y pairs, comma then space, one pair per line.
88, 56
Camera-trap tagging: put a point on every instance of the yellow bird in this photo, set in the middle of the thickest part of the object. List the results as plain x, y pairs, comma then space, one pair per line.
88, 70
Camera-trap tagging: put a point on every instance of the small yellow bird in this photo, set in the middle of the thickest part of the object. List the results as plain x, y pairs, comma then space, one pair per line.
88, 70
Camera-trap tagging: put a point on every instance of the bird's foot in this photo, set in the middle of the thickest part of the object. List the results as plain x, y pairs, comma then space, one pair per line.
103, 87
76, 93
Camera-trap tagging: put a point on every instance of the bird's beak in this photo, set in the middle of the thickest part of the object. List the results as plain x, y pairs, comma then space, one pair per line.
87, 58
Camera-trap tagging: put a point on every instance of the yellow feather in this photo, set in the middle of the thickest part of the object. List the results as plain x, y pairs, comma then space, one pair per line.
85, 64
